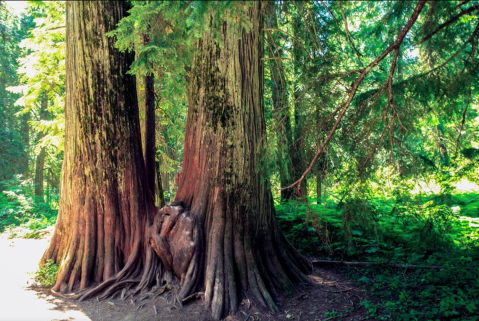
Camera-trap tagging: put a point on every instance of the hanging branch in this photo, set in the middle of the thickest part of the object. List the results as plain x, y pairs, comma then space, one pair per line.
293, 38
390, 103
461, 4
447, 23
355, 87
347, 32
454, 55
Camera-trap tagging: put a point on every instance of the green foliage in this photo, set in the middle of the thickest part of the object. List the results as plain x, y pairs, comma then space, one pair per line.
47, 275
423, 139
18, 207
13, 149
408, 230
333, 314
35, 98
43, 73
292, 217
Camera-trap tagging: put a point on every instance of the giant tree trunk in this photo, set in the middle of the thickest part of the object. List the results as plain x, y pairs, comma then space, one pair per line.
221, 182
105, 230
105, 205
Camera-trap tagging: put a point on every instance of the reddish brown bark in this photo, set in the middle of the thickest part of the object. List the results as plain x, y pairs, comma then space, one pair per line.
221, 182
224, 238
105, 205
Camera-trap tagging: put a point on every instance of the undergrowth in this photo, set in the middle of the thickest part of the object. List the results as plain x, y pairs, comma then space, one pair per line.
47, 275
433, 230
19, 207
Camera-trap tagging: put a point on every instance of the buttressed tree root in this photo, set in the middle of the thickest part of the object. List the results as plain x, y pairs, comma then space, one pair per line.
177, 239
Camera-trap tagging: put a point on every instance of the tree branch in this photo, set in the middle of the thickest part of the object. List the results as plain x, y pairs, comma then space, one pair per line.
461, 4
56, 28
331, 13
355, 87
347, 32
447, 23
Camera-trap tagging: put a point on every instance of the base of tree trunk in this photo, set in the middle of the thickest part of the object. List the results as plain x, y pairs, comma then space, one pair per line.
176, 261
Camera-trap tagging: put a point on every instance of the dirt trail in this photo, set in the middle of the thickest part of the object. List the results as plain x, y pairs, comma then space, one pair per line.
18, 299
22, 299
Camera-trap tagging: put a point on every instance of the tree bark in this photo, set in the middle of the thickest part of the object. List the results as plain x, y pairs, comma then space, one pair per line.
105, 205
221, 182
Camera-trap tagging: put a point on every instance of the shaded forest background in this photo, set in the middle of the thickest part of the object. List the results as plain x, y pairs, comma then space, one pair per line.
393, 181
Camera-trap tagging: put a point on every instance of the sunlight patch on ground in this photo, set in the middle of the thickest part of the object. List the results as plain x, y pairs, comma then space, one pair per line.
20, 259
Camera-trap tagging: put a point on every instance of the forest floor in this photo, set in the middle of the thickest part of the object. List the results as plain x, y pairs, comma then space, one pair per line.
333, 296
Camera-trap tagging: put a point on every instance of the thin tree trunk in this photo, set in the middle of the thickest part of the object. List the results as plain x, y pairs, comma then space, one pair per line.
39, 168
319, 181
245, 249
280, 106
140, 92
146, 102
40, 161
298, 143
165, 180
26, 141
441, 145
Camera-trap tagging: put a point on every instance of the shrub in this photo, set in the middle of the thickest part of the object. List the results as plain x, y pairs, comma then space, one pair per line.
47, 275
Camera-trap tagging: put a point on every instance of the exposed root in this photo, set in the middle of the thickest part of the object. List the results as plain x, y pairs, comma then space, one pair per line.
116, 287
196, 295
55, 293
176, 238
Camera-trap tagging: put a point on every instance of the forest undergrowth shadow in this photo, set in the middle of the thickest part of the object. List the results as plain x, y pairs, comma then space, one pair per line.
422, 231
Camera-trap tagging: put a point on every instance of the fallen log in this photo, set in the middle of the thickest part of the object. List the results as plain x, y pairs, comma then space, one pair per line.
397, 266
